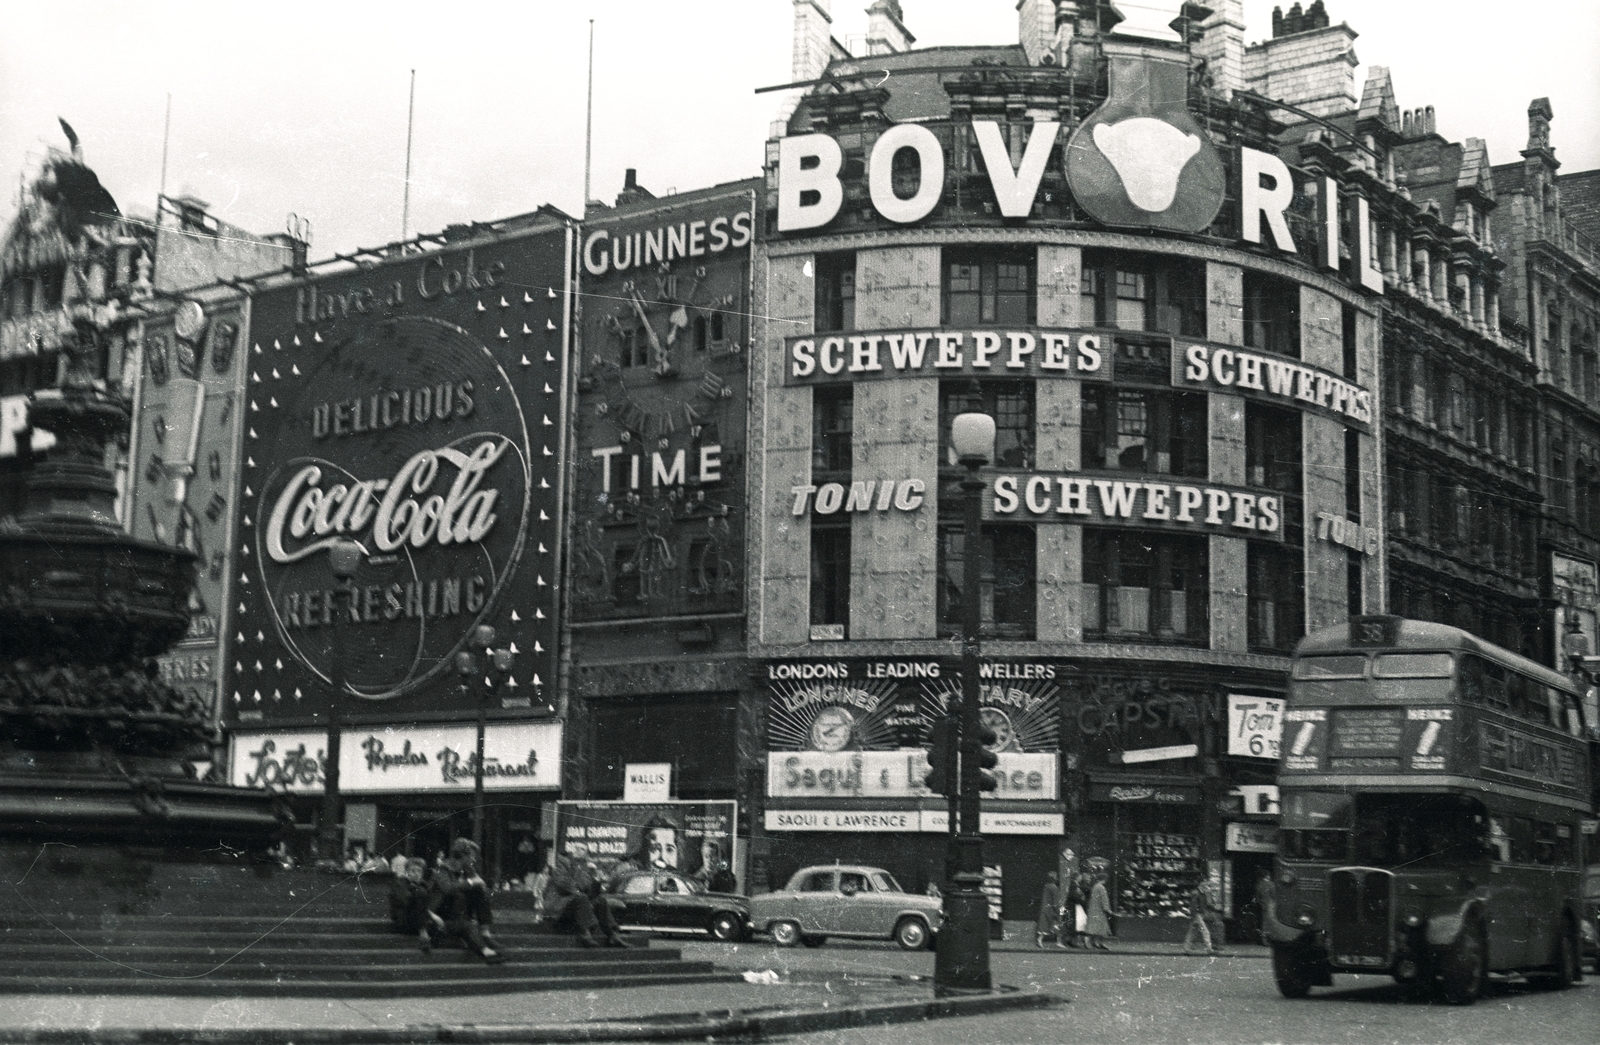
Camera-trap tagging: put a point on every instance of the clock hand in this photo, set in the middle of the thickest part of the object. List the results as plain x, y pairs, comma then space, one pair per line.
663, 360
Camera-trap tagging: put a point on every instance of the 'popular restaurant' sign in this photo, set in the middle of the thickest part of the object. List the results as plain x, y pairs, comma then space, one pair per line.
421, 424
516, 756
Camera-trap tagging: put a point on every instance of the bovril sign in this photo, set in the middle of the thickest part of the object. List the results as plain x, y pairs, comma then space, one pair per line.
1139, 160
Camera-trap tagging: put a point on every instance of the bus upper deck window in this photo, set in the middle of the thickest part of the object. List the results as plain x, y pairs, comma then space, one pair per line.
1412, 665
1345, 667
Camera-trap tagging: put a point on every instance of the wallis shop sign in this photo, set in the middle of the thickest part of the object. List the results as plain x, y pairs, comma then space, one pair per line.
1138, 161
424, 425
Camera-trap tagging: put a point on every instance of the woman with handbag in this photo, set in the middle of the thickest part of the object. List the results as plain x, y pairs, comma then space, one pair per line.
1097, 918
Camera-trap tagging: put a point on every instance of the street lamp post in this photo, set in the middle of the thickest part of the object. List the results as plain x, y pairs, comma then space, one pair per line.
500, 660
961, 962
343, 557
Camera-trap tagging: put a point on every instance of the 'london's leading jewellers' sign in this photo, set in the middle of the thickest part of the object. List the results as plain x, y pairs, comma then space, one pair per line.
414, 410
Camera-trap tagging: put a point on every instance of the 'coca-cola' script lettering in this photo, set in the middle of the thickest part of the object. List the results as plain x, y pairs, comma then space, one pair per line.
464, 515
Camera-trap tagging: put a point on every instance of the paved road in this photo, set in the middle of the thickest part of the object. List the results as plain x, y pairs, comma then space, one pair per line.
1142, 999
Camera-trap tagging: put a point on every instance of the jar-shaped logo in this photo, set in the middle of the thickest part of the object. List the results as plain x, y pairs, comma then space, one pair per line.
1141, 159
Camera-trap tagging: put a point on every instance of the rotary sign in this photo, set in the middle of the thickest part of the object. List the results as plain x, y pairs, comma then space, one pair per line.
401, 474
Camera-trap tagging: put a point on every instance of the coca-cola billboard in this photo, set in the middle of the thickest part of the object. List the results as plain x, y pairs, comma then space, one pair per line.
401, 489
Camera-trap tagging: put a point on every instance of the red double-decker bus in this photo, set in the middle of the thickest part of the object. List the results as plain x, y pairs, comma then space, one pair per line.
1433, 788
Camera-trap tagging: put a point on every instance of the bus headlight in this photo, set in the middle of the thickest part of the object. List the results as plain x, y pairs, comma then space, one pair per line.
1305, 918
1413, 920
1286, 878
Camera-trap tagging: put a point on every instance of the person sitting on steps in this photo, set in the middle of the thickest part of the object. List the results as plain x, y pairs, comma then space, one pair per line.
573, 902
458, 903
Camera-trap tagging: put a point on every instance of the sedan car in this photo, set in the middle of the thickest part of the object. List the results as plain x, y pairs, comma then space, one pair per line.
664, 902
863, 903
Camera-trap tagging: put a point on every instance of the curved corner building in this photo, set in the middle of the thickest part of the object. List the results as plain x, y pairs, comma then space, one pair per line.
1165, 289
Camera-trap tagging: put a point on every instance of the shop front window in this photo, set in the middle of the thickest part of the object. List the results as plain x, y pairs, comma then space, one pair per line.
1145, 587
1159, 862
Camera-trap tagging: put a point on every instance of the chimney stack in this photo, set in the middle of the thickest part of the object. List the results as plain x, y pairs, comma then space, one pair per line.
886, 28
814, 48
1036, 30
1221, 45
1308, 62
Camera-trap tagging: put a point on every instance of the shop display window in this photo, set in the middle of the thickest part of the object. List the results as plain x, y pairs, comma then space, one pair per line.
1159, 871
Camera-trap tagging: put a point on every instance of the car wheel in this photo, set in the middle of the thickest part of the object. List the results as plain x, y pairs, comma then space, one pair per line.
911, 934
1463, 968
726, 926
813, 940
785, 934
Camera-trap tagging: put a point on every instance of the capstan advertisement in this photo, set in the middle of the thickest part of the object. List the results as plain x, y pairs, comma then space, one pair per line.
401, 489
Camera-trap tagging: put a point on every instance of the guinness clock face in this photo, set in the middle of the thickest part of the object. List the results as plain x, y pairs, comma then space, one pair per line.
832, 729
670, 326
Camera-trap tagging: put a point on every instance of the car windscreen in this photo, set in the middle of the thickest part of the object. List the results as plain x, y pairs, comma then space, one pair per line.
884, 882
636, 885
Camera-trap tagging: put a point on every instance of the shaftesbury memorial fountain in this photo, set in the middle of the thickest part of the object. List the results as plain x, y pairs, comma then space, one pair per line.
99, 806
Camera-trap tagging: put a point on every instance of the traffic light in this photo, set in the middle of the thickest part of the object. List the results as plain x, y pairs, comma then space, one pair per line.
986, 758
942, 778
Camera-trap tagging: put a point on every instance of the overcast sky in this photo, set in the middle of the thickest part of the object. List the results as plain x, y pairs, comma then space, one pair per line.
301, 107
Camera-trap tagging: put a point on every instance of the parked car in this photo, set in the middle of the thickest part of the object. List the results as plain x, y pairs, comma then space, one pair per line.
660, 901
1591, 915
845, 900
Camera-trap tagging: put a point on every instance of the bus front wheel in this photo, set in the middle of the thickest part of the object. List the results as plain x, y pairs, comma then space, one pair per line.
1292, 971
1463, 967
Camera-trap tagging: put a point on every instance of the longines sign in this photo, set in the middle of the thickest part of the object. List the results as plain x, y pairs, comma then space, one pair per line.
425, 434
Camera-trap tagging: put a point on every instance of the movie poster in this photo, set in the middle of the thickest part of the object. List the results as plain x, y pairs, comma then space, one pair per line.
692, 838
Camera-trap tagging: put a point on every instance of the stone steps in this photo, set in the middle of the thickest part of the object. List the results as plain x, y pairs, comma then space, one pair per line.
296, 934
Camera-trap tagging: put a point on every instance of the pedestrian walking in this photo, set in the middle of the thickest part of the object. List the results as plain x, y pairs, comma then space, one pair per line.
1203, 917
1050, 911
1097, 917
1266, 903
